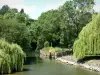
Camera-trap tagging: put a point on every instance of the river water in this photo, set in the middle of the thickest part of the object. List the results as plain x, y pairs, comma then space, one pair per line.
52, 67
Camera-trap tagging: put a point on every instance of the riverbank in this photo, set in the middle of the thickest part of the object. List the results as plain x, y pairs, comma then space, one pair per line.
93, 64
90, 64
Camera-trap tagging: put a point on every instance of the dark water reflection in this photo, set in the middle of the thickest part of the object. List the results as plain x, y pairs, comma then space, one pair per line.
51, 67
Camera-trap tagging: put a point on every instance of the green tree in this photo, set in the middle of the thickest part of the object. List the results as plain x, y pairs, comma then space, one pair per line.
47, 27
10, 14
22, 17
74, 18
11, 57
15, 32
4, 9
83, 13
67, 25
88, 43
22, 11
84, 5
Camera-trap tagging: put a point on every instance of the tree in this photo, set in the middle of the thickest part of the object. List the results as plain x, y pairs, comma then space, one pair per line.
22, 11
4, 9
13, 10
47, 28
67, 25
15, 32
11, 56
83, 13
84, 5
11, 13
75, 15
88, 43
22, 18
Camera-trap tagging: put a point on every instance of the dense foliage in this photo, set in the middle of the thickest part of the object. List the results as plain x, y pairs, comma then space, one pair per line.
11, 57
46, 28
57, 28
61, 27
88, 43
14, 27
15, 32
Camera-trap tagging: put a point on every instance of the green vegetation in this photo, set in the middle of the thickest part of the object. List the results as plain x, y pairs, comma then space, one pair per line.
46, 44
55, 30
52, 49
59, 27
15, 27
88, 43
15, 32
11, 57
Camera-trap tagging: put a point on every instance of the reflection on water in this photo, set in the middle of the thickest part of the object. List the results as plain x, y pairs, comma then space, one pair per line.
51, 67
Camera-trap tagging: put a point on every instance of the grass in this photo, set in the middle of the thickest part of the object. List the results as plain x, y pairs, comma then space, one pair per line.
56, 49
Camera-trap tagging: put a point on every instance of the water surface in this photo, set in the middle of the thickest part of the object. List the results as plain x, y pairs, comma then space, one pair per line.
51, 67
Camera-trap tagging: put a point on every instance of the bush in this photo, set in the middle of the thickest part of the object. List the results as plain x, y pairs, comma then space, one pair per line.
11, 57
88, 43
46, 44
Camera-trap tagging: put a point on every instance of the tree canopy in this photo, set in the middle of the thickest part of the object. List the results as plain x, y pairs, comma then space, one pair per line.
59, 27
11, 57
89, 39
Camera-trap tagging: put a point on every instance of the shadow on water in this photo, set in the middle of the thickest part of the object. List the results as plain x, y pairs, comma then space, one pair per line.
88, 58
29, 61
38, 66
26, 69
32, 60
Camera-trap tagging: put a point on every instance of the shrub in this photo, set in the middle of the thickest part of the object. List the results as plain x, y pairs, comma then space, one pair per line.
46, 44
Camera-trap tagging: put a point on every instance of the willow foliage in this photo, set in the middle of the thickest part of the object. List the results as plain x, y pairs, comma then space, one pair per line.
88, 43
11, 57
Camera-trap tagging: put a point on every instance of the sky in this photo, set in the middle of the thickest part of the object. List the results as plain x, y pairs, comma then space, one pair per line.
34, 8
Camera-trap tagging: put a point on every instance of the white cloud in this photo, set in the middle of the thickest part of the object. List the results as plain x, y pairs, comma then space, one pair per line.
27, 9
50, 6
33, 10
97, 7
11, 2
19, 4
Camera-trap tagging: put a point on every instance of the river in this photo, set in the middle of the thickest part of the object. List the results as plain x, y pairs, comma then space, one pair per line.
52, 67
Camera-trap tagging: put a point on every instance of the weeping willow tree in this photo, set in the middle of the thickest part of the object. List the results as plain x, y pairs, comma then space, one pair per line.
11, 57
88, 42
